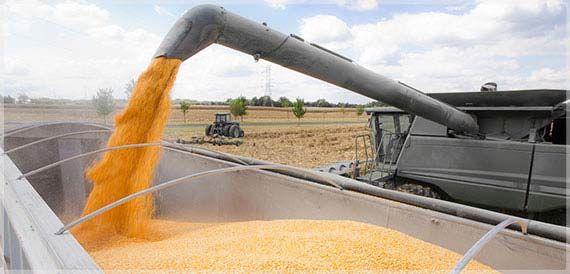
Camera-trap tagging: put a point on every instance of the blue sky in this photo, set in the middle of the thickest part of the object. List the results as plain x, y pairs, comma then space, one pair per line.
69, 49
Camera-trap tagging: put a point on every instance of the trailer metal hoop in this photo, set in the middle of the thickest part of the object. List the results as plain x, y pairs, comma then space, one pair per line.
162, 144
56, 137
183, 179
476, 248
106, 129
49, 124
190, 149
38, 170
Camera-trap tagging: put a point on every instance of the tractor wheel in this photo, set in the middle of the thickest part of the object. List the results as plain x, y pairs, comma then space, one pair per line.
226, 131
209, 130
234, 131
241, 133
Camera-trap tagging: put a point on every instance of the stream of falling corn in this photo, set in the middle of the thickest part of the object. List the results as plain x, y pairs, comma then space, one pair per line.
127, 239
126, 171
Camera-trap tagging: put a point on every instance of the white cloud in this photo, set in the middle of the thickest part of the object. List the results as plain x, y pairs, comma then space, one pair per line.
455, 8
327, 30
58, 53
70, 49
517, 44
359, 5
162, 11
277, 4
79, 14
549, 76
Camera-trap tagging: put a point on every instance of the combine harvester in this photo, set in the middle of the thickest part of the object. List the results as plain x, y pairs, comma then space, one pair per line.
44, 187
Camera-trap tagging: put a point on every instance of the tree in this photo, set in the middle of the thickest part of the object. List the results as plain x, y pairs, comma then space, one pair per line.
375, 104
238, 107
359, 110
129, 87
284, 102
299, 110
184, 107
253, 101
265, 101
104, 102
322, 103
9, 99
23, 99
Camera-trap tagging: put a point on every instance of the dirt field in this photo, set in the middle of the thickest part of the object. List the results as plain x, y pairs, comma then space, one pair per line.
308, 145
304, 146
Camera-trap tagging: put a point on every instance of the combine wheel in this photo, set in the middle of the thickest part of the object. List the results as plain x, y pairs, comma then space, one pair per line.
234, 131
209, 130
241, 133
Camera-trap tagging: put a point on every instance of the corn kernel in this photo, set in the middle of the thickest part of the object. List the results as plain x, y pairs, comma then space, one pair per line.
279, 246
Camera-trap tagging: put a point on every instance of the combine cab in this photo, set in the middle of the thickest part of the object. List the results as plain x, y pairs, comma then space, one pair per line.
224, 126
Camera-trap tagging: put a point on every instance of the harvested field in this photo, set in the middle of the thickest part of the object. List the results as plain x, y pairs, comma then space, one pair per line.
302, 146
197, 114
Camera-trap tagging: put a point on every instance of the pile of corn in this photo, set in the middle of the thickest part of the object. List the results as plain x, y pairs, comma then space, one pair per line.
279, 246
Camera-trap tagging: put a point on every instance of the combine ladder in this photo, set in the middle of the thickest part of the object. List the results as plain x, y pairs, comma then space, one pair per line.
368, 162
387, 157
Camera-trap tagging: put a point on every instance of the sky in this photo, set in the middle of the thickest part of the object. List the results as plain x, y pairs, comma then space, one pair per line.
70, 49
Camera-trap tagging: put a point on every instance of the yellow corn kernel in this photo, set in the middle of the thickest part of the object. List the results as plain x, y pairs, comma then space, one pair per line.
280, 246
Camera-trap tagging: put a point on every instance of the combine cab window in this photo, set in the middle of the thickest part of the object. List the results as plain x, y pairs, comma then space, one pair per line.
395, 123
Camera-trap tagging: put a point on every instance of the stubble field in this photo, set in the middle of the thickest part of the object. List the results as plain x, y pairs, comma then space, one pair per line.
302, 146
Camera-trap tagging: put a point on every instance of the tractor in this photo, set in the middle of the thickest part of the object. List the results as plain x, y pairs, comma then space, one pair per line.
224, 126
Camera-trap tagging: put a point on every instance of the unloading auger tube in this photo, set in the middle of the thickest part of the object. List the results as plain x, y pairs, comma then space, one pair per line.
207, 24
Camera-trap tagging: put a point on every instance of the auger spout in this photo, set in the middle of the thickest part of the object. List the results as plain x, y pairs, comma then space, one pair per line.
207, 24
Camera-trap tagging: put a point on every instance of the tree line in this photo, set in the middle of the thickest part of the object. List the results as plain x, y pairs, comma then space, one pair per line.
239, 106
267, 101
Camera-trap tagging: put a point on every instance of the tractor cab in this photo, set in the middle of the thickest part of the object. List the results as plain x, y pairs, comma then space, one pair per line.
223, 117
